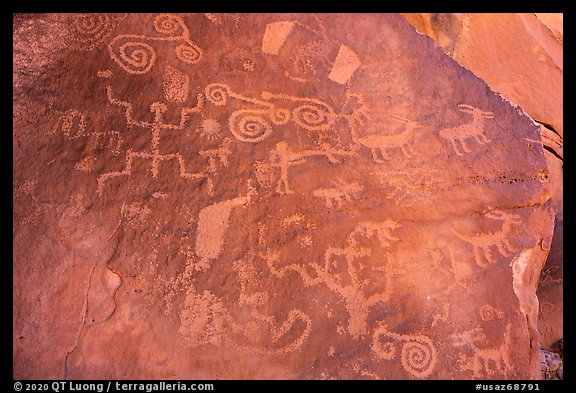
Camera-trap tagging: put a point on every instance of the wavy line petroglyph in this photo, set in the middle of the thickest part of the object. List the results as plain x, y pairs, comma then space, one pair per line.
135, 56
358, 303
475, 128
73, 125
483, 242
418, 356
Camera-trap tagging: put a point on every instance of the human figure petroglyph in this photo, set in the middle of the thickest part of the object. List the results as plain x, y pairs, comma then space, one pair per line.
484, 360
135, 56
218, 156
158, 125
380, 144
474, 128
418, 356
358, 303
483, 242
339, 194
283, 158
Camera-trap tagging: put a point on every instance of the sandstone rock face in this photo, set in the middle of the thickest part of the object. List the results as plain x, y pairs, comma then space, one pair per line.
268, 196
519, 56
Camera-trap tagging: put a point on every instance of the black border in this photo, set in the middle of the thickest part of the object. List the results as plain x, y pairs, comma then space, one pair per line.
379, 6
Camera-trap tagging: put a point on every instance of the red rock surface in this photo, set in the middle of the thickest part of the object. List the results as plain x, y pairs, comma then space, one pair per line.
519, 56
272, 196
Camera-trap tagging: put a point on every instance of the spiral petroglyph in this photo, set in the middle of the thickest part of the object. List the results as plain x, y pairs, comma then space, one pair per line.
418, 356
135, 55
88, 31
217, 93
249, 126
314, 117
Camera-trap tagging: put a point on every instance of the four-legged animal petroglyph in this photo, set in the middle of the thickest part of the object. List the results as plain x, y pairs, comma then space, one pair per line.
418, 355
338, 195
358, 303
485, 360
283, 158
380, 144
472, 129
483, 242
132, 53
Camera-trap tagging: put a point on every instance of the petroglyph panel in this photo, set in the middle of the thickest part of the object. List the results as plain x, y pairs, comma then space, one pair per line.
267, 196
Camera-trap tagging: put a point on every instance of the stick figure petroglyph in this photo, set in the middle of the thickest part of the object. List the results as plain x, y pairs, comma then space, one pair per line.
158, 125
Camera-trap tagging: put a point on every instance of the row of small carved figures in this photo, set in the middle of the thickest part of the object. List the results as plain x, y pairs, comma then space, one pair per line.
251, 125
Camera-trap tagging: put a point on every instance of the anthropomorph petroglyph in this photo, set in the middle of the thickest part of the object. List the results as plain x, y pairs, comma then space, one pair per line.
483, 242
341, 193
475, 128
418, 356
380, 144
341, 271
135, 56
158, 125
